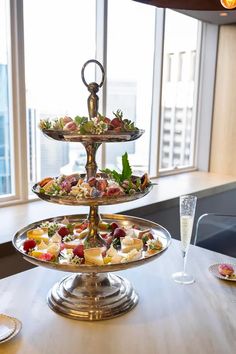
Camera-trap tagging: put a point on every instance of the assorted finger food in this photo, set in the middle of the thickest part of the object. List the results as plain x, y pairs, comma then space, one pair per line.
65, 243
109, 183
83, 125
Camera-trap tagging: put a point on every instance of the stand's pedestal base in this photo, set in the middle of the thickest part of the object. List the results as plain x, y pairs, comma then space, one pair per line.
92, 297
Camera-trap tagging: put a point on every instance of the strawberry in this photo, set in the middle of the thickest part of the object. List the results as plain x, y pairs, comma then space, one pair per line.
116, 122
29, 245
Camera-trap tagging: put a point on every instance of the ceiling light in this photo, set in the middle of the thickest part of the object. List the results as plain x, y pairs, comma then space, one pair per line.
228, 4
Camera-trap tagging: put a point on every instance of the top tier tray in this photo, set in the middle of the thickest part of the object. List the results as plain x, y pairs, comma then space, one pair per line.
108, 137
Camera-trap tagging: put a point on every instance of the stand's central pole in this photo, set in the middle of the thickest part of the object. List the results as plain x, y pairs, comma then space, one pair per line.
91, 165
93, 239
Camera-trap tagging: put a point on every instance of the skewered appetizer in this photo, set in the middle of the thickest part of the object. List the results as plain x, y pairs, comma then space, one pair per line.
64, 243
84, 125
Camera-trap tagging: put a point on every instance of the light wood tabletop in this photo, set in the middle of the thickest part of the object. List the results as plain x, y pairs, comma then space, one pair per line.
169, 318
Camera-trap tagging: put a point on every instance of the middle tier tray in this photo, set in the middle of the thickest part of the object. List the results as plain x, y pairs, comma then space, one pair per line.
90, 201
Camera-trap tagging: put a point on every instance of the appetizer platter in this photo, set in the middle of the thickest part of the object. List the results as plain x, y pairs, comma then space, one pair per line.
61, 242
107, 187
92, 246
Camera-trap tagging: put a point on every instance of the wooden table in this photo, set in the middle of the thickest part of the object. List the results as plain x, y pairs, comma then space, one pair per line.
170, 318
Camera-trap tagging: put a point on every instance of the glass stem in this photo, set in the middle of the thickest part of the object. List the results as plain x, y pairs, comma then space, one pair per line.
185, 260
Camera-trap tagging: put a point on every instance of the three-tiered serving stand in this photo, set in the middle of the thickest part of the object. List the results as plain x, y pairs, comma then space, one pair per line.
92, 292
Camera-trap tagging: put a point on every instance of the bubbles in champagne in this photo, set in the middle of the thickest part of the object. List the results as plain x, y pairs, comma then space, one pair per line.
186, 226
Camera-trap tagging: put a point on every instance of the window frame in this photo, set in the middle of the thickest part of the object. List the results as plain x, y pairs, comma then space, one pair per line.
203, 115
193, 166
17, 107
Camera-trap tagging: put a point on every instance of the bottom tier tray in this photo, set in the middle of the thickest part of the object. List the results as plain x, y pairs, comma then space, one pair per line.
93, 293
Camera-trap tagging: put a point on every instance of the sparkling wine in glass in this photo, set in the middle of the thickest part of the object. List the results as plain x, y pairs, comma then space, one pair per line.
187, 206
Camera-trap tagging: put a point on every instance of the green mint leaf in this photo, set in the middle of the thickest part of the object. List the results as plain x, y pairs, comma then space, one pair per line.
80, 120
126, 169
107, 171
117, 176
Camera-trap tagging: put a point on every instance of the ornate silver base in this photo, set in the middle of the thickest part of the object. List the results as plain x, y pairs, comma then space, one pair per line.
92, 297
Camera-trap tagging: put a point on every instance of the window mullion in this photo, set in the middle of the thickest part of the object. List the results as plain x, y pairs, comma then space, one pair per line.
156, 96
101, 56
206, 79
18, 100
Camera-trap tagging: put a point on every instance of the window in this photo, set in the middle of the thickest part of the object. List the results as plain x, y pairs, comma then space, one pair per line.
129, 76
55, 51
6, 158
179, 87
152, 66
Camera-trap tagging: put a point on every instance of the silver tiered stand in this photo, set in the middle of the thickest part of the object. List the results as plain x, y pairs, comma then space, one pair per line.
92, 292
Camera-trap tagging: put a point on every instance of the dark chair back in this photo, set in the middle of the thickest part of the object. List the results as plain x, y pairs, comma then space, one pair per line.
217, 232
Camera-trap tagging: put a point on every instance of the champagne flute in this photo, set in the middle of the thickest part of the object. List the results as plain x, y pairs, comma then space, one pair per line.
187, 206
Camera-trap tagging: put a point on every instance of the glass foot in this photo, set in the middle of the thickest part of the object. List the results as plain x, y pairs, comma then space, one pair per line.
183, 278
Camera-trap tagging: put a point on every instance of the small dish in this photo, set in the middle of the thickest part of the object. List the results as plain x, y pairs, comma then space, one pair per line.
214, 270
7, 326
16, 330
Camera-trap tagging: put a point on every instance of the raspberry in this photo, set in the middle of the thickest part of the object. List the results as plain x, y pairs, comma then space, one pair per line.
79, 251
63, 231
29, 245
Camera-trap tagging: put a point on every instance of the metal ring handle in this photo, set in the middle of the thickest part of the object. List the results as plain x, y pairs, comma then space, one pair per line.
100, 66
